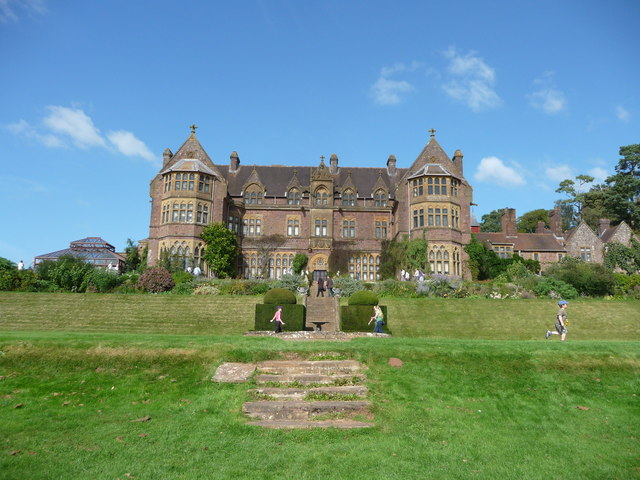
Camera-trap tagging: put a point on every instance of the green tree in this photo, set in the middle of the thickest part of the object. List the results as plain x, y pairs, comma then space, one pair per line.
528, 222
393, 257
6, 264
417, 254
623, 194
575, 190
492, 221
132, 257
221, 252
623, 257
299, 263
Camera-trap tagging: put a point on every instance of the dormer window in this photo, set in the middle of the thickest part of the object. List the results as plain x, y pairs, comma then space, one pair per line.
322, 197
293, 197
253, 195
348, 198
380, 198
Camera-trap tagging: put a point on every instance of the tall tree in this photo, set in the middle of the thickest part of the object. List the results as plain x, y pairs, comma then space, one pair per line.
528, 222
492, 221
575, 191
221, 252
623, 196
132, 257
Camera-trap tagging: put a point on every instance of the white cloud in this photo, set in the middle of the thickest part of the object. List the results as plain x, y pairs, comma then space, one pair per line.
547, 97
622, 114
471, 81
599, 174
493, 170
128, 144
9, 9
389, 92
559, 173
386, 91
75, 124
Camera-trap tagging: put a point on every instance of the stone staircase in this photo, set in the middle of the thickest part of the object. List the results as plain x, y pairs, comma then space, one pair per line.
323, 311
309, 394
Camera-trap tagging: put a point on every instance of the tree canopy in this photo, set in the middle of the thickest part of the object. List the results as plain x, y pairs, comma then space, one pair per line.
492, 221
528, 222
221, 252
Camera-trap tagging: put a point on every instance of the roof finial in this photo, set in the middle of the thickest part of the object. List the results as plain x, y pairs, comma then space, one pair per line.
322, 159
432, 132
193, 128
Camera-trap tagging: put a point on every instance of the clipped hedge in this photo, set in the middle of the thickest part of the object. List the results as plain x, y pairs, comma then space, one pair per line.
354, 318
279, 296
363, 297
293, 316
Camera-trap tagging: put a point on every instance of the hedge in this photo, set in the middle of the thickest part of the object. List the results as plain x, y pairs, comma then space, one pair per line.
354, 318
293, 316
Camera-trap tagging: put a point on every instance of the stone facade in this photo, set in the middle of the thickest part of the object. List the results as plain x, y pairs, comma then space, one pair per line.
311, 210
582, 242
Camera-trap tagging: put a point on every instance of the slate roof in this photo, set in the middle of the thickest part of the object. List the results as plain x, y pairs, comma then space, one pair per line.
94, 249
189, 164
276, 178
528, 242
432, 169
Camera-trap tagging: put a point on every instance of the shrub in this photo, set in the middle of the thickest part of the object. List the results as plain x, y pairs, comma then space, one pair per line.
551, 287
299, 262
68, 273
355, 318
290, 282
347, 285
102, 281
181, 277
155, 280
184, 288
586, 278
279, 296
9, 279
206, 289
363, 297
394, 288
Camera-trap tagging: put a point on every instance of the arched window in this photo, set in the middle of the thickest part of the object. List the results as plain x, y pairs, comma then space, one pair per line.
348, 198
380, 198
322, 197
293, 197
253, 194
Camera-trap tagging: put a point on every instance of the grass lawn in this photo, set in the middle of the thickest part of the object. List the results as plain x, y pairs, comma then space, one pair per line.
123, 391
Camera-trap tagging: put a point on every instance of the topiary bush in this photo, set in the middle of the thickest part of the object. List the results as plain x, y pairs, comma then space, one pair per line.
363, 297
155, 280
279, 296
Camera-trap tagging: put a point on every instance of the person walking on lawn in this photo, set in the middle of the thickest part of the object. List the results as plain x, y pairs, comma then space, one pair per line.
278, 319
378, 316
561, 322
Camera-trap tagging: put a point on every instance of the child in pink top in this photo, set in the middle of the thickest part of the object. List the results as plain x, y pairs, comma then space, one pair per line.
278, 318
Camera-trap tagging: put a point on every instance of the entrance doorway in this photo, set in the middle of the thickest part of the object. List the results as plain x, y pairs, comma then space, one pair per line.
319, 273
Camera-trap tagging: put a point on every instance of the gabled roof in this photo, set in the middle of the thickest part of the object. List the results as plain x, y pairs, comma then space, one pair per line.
189, 165
528, 242
431, 169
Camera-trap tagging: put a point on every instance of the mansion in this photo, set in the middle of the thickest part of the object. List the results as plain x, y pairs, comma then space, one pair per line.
312, 210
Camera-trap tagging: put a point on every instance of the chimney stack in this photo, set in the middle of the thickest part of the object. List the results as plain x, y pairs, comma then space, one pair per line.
540, 227
603, 225
391, 165
555, 222
234, 163
166, 157
457, 162
333, 164
509, 222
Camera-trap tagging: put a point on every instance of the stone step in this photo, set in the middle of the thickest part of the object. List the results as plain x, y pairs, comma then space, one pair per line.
294, 410
306, 379
341, 423
309, 366
301, 393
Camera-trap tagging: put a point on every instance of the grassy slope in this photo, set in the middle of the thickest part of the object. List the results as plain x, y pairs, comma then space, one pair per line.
458, 408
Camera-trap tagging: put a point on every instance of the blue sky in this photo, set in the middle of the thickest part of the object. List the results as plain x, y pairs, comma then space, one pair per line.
93, 92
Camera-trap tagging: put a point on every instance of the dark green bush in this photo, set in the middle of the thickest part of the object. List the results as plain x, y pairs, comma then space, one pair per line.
68, 273
294, 317
181, 277
184, 288
102, 281
279, 296
587, 278
155, 280
394, 288
355, 318
551, 287
363, 297
9, 280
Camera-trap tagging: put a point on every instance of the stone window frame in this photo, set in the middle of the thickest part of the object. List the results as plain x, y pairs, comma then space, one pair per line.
349, 198
184, 181
321, 195
418, 217
293, 223
321, 227
252, 225
418, 187
204, 183
380, 198
253, 194
585, 254
167, 182
381, 227
349, 227
437, 185
444, 259
294, 196
365, 266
